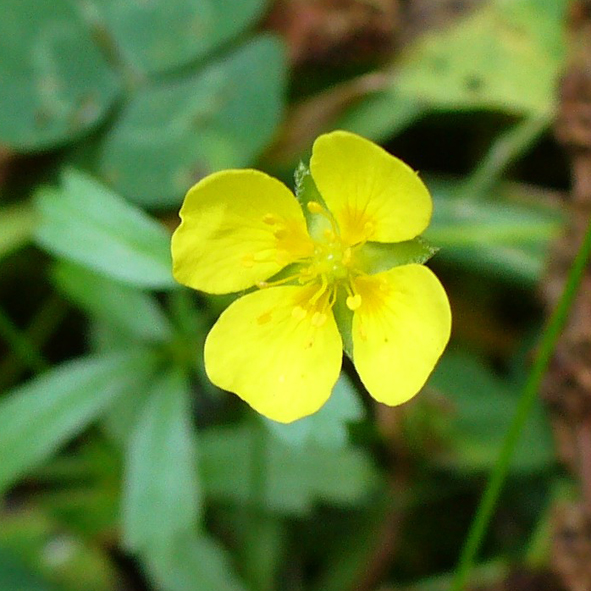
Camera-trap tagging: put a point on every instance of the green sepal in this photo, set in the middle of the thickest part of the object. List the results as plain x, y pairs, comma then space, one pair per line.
305, 187
306, 191
344, 319
374, 257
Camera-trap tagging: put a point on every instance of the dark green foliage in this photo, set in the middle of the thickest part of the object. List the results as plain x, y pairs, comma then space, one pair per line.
121, 466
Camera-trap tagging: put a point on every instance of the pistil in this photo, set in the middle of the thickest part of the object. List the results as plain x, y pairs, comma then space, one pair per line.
329, 269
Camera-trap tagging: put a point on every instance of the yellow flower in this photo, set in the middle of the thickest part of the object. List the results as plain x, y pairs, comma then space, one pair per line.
325, 277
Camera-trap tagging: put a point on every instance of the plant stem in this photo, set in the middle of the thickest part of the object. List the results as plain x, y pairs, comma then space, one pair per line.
37, 333
547, 344
21, 345
509, 146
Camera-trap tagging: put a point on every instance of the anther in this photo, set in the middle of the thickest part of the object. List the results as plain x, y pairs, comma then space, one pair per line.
330, 235
354, 301
270, 219
347, 256
280, 233
314, 207
362, 332
318, 319
264, 318
298, 313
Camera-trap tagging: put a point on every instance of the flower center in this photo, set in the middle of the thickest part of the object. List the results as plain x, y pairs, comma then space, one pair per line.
331, 258
327, 270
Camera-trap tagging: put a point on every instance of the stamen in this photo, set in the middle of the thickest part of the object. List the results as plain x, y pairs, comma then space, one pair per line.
318, 319
353, 302
347, 255
321, 290
299, 313
265, 284
330, 235
264, 318
270, 219
314, 207
362, 332
280, 233
332, 298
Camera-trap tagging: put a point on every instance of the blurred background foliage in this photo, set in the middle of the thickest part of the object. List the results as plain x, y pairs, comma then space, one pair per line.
122, 467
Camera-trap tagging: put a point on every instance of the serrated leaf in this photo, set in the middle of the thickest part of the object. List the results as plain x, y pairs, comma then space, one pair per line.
326, 428
124, 308
161, 498
143, 29
175, 132
56, 84
39, 417
86, 223
295, 477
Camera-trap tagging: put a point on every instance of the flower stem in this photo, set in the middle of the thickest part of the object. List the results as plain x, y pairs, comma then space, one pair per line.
546, 347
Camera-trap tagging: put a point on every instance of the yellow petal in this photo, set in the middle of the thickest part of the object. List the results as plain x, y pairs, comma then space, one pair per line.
238, 227
277, 360
372, 195
399, 331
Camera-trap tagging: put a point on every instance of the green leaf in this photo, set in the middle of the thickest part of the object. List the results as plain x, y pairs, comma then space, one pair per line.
195, 563
56, 84
295, 477
142, 30
482, 406
505, 55
16, 576
81, 489
38, 418
173, 133
60, 555
88, 224
124, 308
502, 237
326, 428
382, 115
161, 498
17, 223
